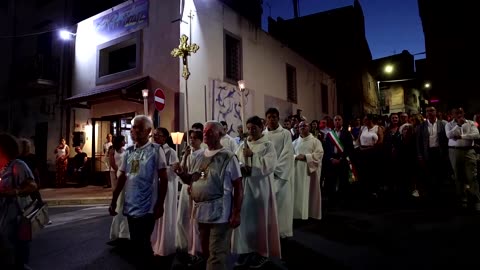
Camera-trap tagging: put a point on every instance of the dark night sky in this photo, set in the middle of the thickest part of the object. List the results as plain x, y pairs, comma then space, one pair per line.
391, 25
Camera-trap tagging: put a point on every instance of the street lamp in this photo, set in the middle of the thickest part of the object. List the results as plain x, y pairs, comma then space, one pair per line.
427, 85
380, 99
145, 105
241, 86
66, 35
388, 69
177, 138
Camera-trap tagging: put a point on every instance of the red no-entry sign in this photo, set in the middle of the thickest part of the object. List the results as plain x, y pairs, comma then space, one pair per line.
159, 99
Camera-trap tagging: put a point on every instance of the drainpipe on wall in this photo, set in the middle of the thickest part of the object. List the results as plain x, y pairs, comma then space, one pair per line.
60, 97
380, 106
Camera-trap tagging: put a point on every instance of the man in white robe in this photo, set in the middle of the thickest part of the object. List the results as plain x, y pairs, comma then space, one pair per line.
257, 237
282, 142
227, 141
199, 127
163, 236
308, 165
187, 235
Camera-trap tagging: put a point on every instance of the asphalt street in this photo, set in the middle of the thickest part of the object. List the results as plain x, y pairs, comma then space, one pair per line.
373, 238
77, 239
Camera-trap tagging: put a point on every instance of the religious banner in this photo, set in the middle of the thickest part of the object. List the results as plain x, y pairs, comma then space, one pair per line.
127, 19
226, 105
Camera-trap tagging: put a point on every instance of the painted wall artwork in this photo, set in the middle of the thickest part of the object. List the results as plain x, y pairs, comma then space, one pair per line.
283, 106
226, 105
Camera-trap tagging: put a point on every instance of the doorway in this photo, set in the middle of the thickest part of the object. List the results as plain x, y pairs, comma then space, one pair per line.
112, 124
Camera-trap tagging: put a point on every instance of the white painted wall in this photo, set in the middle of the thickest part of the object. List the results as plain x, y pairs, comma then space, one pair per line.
402, 99
395, 98
158, 39
264, 60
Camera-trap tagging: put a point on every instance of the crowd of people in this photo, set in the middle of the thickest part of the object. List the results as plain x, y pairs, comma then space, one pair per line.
240, 196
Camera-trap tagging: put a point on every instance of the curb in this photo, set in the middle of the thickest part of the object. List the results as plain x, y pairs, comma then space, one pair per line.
86, 201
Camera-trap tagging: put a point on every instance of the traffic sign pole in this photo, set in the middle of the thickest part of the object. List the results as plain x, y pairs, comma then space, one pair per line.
159, 99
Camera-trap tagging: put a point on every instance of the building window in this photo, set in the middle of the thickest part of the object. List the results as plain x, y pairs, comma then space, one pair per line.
324, 97
119, 58
233, 58
291, 84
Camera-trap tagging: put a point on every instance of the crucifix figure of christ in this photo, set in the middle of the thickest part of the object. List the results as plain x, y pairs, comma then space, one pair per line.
183, 51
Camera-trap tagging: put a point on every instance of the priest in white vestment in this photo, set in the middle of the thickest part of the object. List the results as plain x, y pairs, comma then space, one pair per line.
257, 238
308, 167
186, 239
283, 181
163, 236
227, 141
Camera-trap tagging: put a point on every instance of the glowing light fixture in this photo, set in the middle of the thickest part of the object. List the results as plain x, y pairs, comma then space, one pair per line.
388, 69
65, 35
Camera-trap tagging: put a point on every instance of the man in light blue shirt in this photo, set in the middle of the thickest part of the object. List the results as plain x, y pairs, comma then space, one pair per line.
144, 163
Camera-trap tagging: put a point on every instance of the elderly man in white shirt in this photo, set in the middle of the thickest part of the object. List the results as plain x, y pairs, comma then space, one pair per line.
143, 173
217, 192
461, 134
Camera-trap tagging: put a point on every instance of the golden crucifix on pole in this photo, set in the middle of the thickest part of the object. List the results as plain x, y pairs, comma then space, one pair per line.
183, 51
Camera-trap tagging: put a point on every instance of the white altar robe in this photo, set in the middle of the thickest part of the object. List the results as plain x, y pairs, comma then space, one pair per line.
283, 181
258, 230
163, 236
308, 199
187, 235
119, 227
229, 143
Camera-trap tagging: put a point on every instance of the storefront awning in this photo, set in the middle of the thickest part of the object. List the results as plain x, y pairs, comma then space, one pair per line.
129, 90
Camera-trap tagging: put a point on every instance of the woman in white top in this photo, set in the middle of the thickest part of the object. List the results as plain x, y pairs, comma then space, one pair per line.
62, 152
370, 156
119, 231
